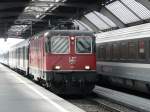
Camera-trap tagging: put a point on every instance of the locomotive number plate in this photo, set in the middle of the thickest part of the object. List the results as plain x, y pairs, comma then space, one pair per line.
72, 60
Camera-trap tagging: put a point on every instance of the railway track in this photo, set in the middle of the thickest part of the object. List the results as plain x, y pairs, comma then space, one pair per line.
97, 104
109, 106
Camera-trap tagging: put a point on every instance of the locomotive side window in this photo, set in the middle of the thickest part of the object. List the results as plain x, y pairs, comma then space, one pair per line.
132, 50
84, 45
59, 45
141, 49
123, 50
37, 46
48, 45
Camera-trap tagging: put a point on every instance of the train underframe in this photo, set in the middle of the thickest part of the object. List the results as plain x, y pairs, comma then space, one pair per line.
131, 84
70, 82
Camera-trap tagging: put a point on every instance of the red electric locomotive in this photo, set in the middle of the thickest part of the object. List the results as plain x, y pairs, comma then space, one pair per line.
64, 60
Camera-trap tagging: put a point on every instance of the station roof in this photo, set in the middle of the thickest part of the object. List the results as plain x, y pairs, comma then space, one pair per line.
21, 19
119, 14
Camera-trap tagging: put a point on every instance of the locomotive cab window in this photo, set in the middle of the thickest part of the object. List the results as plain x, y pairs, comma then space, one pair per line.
59, 45
84, 45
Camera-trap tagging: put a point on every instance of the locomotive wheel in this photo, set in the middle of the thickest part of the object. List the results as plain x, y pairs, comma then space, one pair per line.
56, 88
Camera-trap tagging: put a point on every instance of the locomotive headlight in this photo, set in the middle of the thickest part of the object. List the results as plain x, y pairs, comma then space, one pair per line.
72, 38
87, 67
57, 67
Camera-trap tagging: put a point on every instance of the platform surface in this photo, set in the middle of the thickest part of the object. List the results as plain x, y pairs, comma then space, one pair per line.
132, 101
18, 94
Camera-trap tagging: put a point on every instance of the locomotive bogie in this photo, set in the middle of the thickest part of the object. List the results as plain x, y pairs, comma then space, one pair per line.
70, 82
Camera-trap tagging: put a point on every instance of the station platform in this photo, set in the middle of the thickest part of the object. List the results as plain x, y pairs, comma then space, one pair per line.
135, 102
18, 94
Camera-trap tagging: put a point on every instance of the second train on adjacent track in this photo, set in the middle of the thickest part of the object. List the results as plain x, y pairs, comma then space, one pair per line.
123, 58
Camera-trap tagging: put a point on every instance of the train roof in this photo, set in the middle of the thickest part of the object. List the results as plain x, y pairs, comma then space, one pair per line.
68, 32
139, 31
49, 33
21, 44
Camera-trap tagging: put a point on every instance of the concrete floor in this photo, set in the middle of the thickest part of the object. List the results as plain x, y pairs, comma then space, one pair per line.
18, 94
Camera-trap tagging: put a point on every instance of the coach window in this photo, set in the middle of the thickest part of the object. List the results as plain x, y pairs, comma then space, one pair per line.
123, 50
98, 52
60, 45
141, 49
102, 52
115, 51
149, 48
18, 54
24, 53
21, 55
132, 50
108, 52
